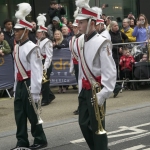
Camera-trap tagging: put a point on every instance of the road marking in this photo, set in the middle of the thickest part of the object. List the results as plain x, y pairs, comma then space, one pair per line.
125, 128
135, 147
129, 139
78, 141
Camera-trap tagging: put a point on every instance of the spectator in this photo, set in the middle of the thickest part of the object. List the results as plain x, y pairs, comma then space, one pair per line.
132, 23
55, 10
144, 58
64, 20
131, 16
126, 63
32, 34
66, 34
9, 33
117, 37
59, 42
128, 30
108, 21
4, 46
142, 29
70, 26
56, 25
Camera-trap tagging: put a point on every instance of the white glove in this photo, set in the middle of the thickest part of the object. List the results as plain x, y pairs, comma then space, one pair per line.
36, 97
101, 99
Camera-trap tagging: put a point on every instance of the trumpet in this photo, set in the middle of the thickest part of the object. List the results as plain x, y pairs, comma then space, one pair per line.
44, 78
37, 109
99, 110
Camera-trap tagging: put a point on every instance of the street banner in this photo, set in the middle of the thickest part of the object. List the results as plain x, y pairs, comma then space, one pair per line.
60, 73
6, 72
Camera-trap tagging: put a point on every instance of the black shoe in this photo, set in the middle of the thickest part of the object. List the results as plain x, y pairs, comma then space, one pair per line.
52, 99
38, 146
76, 112
115, 94
45, 103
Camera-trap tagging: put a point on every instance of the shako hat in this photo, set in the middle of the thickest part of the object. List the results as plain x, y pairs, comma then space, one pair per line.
41, 19
23, 10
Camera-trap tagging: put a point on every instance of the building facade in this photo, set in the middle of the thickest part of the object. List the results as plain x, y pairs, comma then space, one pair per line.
116, 8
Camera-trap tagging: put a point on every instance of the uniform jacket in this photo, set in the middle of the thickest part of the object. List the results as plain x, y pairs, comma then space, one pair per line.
71, 47
128, 33
46, 49
99, 61
29, 55
126, 62
106, 34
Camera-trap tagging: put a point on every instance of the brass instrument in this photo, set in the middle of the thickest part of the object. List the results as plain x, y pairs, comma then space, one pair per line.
44, 78
99, 110
37, 109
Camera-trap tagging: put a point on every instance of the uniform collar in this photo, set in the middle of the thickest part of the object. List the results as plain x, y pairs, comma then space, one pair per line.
43, 39
87, 38
78, 35
24, 42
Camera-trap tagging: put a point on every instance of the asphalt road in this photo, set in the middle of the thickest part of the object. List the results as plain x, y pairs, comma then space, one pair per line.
127, 122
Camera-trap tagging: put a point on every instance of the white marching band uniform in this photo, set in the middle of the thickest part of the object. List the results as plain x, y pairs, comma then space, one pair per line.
106, 34
29, 55
73, 54
46, 49
95, 54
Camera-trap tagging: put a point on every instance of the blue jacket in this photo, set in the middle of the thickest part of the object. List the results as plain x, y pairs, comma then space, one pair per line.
141, 34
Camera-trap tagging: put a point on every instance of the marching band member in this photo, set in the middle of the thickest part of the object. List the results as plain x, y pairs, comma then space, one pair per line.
28, 72
101, 29
96, 65
46, 48
74, 57
100, 26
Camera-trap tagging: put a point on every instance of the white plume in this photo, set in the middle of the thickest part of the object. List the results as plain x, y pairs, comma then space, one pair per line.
98, 10
76, 12
82, 3
23, 10
41, 19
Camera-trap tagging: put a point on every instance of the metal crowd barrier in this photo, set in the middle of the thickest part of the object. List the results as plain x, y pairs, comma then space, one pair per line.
140, 69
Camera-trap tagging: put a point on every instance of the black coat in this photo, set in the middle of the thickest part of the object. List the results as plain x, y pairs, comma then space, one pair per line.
64, 44
55, 12
118, 37
32, 36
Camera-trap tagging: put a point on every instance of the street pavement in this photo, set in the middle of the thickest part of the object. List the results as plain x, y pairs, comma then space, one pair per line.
127, 122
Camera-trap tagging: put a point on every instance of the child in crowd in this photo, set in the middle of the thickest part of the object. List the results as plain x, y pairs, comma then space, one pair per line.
144, 58
126, 64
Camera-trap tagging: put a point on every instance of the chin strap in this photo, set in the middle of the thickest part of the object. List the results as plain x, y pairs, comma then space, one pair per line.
88, 26
22, 34
100, 27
